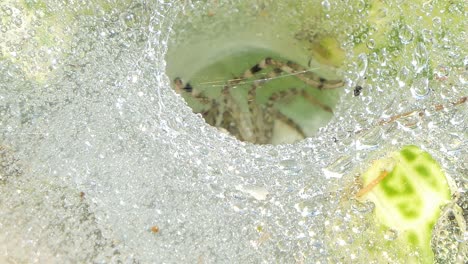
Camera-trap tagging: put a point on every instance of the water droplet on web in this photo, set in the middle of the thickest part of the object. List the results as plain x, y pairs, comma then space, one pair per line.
391, 235
382, 57
326, 5
257, 192
449, 235
7, 11
369, 139
427, 35
420, 88
437, 22
290, 166
403, 76
361, 5
306, 208
284, 246
427, 6
441, 73
363, 208
371, 43
454, 143
362, 64
454, 8
17, 21
420, 57
463, 77
406, 34
338, 168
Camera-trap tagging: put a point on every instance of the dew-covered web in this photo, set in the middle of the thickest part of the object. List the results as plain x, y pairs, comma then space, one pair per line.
101, 161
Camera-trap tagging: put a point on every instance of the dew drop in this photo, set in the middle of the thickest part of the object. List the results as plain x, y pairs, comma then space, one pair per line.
427, 35
363, 208
420, 57
369, 139
290, 166
326, 5
391, 235
361, 5
441, 73
39, 13
427, 6
31, 33
17, 21
454, 8
382, 13
420, 88
362, 64
437, 22
382, 58
403, 76
128, 19
338, 168
406, 34
371, 43
463, 78
7, 11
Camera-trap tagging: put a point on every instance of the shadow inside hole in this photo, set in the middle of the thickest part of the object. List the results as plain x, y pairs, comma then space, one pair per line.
260, 97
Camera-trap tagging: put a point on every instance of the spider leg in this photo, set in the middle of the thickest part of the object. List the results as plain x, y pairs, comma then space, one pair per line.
315, 101
231, 117
243, 119
290, 68
261, 116
284, 95
294, 92
305, 75
248, 74
289, 93
214, 113
288, 121
251, 124
182, 88
221, 112
265, 116
211, 114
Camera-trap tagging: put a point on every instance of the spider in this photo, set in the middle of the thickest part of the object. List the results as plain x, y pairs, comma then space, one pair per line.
249, 119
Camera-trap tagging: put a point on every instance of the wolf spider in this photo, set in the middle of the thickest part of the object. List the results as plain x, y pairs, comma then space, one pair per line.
257, 124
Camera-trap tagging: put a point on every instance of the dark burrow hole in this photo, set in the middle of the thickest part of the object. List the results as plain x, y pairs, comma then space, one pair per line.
260, 96
260, 79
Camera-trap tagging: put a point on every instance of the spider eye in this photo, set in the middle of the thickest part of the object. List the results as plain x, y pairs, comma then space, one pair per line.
178, 81
277, 71
188, 88
255, 69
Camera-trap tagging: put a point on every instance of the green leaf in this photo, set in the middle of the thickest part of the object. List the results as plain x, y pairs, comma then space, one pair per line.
408, 189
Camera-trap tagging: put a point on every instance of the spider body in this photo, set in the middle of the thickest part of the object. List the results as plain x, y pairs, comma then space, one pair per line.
248, 119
